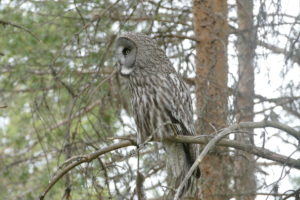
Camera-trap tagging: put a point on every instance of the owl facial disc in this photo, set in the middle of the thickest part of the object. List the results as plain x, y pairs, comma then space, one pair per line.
126, 55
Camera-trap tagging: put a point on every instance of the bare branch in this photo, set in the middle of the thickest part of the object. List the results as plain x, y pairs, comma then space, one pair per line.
282, 102
4, 23
205, 151
278, 50
203, 139
84, 159
84, 110
273, 124
258, 151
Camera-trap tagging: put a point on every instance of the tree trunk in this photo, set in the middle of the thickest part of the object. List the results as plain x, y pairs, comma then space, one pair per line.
245, 182
210, 26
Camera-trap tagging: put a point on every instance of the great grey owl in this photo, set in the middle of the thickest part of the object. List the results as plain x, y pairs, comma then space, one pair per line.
161, 101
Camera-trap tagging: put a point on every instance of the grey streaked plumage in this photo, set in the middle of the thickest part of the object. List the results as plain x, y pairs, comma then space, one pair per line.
161, 101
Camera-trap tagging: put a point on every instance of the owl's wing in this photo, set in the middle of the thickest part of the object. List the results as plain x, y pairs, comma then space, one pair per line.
181, 125
180, 110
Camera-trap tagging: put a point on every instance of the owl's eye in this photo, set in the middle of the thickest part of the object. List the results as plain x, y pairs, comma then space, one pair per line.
126, 51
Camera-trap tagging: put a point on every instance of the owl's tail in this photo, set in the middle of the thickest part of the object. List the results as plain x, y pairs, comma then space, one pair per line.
180, 158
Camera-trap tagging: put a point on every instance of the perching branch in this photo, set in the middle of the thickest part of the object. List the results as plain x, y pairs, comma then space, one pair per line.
205, 151
211, 141
258, 151
261, 152
241, 146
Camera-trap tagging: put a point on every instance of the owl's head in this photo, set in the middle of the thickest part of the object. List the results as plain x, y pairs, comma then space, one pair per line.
137, 52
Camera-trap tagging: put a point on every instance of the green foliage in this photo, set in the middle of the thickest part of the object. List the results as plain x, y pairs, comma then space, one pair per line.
50, 71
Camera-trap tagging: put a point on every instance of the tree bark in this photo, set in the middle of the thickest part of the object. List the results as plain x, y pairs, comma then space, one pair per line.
211, 31
245, 181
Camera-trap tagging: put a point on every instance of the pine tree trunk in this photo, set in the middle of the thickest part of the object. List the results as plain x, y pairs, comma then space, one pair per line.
245, 182
210, 26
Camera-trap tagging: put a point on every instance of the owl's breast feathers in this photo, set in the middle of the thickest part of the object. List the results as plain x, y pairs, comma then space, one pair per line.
162, 106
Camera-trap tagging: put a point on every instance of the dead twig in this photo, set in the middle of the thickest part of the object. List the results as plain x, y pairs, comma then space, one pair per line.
75, 161
4, 23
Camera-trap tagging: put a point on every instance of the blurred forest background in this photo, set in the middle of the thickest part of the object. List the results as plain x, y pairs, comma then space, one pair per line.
61, 99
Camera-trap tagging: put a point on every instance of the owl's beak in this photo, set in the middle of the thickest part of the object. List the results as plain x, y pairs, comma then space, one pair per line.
119, 65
